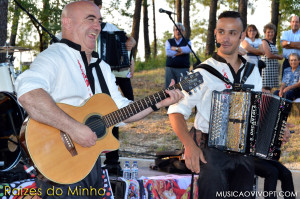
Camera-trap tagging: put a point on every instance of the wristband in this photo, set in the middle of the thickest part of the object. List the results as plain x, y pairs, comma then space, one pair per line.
154, 107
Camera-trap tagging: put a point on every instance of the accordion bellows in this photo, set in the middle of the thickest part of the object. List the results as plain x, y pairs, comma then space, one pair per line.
248, 122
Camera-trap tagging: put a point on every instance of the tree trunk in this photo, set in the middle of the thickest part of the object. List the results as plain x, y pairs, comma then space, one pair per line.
45, 22
146, 31
186, 18
14, 28
275, 16
136, 24
243, 11
154, 31
178, 11
210, 42
3, 26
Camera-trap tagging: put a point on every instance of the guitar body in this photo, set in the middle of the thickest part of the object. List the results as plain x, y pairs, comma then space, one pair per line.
62, 161
49, 153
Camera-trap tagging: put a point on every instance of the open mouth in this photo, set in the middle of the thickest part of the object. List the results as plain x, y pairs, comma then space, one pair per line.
93, 36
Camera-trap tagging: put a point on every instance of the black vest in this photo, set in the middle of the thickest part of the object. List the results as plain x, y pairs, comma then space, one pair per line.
182, 61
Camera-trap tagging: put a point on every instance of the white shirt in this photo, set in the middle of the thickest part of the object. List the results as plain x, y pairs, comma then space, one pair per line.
60, 70
255, 44
293, 37
202, 98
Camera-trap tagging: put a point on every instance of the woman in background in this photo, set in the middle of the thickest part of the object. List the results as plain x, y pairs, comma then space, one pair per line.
253, 45
270, 74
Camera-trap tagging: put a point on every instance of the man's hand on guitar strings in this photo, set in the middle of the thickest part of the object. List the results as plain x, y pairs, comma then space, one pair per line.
83, 136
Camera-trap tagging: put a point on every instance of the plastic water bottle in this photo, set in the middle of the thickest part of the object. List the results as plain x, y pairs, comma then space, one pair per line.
126, 170
134, 171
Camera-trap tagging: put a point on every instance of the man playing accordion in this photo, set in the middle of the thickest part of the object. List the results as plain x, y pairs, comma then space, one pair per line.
218, 171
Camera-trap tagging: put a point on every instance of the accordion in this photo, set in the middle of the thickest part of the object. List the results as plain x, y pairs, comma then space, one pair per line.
113, 49
248, 122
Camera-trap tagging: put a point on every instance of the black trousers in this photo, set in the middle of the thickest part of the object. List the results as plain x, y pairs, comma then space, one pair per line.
92, 181
273, 171
225, 175
126, 88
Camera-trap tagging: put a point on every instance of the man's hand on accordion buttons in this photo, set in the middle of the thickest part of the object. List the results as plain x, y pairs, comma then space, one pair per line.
130, 43
287, 135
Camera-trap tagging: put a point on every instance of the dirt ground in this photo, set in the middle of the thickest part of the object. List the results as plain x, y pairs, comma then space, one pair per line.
154, 133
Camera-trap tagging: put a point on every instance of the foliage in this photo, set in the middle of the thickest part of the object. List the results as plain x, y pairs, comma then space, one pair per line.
49, 17
152, 63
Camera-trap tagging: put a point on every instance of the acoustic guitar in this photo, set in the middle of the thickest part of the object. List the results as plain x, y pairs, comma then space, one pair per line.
62, 161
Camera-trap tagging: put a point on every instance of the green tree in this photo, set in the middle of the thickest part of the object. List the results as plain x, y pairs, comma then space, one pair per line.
3, 26
47, 13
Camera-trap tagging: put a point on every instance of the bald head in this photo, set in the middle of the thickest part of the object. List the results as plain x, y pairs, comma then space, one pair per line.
81, 23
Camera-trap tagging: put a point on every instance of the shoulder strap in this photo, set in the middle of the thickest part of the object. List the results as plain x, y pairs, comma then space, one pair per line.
248, 70
103, 24
101, 79
214, 72
267, 41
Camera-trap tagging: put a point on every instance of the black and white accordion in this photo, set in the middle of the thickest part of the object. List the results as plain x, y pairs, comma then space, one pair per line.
113, 49
248, 122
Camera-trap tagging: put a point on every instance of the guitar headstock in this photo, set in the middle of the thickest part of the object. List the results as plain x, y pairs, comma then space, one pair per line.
191, 81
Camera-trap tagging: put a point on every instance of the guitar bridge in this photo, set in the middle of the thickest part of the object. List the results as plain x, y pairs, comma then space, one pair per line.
68, 143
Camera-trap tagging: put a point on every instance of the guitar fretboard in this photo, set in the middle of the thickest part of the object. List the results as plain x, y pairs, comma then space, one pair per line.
132, 109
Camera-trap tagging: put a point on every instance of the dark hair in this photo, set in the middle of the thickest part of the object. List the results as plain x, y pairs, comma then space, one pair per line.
269, 26
98, 2
231, 14
254, 28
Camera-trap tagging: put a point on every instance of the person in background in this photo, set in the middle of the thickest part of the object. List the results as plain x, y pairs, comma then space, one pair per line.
253, 45
270, 74
66, 72
123, 80
290, 86
178, 56
290, 41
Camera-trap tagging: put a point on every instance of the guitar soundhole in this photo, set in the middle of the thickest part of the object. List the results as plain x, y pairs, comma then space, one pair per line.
96, 123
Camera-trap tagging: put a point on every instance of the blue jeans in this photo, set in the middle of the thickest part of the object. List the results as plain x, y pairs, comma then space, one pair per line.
174, 73
291, 94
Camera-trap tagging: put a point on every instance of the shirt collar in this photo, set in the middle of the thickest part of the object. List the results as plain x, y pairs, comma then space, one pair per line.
221, 59
77, 47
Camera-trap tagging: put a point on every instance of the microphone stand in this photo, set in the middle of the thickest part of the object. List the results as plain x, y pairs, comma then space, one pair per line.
54, 39
198, 60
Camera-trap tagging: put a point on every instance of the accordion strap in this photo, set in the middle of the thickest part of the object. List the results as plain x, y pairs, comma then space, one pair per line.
248, 70
214, 72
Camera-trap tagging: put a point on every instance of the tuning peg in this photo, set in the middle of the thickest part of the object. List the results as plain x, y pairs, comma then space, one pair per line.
181, 74
193, 71
187, 72
190, 93
180, 78
195, 90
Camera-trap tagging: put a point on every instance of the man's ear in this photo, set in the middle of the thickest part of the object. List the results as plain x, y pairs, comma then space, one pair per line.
66, 22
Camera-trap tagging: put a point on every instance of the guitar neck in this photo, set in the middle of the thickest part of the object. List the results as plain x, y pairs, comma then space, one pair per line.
134, 108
